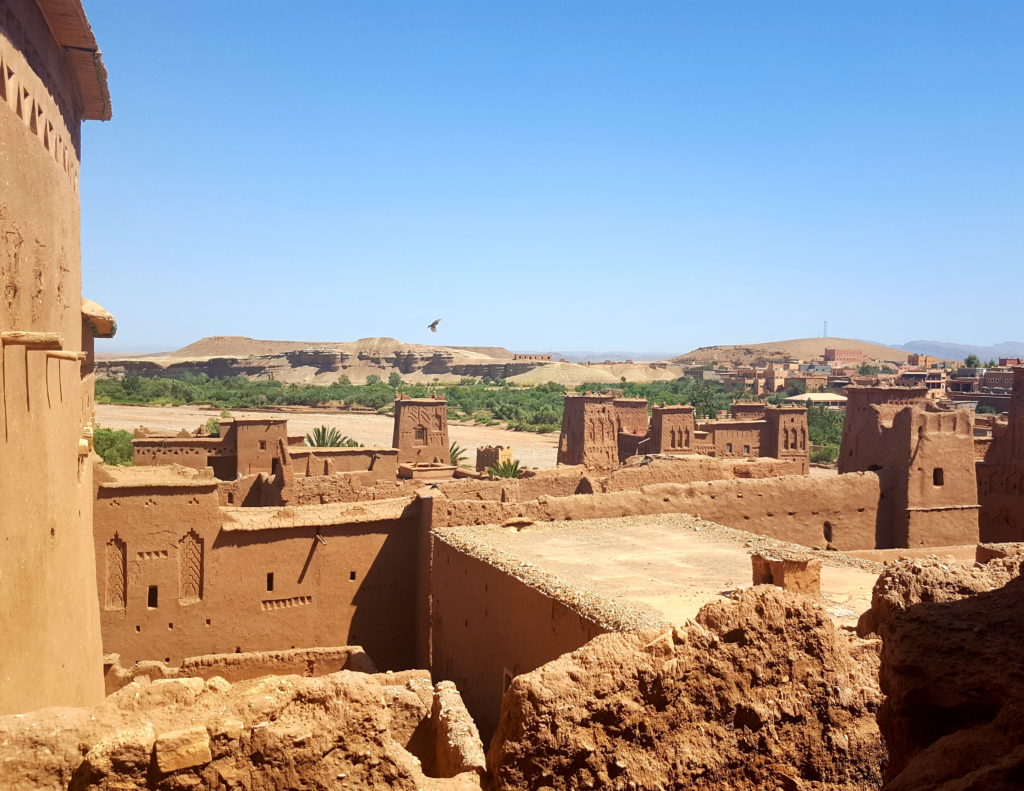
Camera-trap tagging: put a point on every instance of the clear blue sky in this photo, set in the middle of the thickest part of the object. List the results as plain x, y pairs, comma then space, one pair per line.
551, 174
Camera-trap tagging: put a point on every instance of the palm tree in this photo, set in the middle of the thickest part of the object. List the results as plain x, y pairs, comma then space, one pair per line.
328, 437
457, 454
505, 469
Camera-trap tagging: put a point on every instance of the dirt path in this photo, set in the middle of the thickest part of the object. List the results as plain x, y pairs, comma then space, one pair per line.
532, 450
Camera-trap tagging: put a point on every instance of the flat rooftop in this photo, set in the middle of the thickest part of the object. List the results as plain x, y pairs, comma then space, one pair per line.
651, 570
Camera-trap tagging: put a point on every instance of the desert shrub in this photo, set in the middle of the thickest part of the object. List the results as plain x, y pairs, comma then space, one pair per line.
505, 469
114, 447
826, 454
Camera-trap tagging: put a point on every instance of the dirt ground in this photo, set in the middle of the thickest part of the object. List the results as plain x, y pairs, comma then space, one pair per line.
532, 450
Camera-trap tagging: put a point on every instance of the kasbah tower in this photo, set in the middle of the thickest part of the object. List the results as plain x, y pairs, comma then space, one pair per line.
51, 80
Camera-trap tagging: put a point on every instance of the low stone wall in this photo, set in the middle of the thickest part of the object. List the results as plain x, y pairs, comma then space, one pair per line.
344, 729
376, 464
840, 511
238, 667
493, 617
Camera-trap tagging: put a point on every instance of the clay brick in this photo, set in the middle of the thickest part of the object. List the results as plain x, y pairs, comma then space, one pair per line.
183, 749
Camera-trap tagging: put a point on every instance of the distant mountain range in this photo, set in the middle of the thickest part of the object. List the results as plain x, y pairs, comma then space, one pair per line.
958, 351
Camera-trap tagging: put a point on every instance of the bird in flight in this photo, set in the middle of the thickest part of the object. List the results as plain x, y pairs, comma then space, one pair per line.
433, 325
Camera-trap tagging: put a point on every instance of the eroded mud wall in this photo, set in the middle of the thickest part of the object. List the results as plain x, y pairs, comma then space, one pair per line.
50, 650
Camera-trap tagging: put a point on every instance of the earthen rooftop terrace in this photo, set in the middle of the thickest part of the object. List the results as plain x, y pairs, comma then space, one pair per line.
649, 571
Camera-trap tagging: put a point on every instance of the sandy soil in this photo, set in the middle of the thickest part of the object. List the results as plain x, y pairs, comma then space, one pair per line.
672, 563
532, 450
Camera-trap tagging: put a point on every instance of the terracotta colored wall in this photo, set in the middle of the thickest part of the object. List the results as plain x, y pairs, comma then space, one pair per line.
924, 459
589, 432
492, 455
1001, 472
794, 508
357, 587
428, 415
257, 443
376, 464
748, 410
786, 434
251, 664
485, 623
50, 650
194, 453
672, 429
631, 415
732, 438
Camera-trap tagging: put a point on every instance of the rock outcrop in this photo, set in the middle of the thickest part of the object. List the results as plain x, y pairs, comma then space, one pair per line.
763, 693
952, 670
343, 730
908, 583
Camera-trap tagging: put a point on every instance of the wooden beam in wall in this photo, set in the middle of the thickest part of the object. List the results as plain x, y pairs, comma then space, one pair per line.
37, 340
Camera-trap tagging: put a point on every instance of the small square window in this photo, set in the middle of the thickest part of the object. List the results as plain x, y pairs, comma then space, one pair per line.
263, 444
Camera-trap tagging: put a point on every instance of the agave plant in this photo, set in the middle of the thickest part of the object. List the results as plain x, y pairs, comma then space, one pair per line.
457, 454
505, 469
328, 437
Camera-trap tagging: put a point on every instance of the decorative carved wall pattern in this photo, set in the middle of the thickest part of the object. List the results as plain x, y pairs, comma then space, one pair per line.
23, 92
117, 574
190, 566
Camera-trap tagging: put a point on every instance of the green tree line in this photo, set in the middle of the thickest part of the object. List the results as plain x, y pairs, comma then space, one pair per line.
523, 408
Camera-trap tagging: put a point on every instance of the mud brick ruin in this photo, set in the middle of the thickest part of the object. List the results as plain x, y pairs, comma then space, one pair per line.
603, 430
245, 611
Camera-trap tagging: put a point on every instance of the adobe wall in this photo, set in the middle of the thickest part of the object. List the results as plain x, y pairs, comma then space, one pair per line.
568, 480
672, 429
256, 441
600, 431
785, 435
924, 459
492, 455
421, 430
375, 464
195, 452
487, 625
239, 667
1001, 494
1000, 472
631, 415
731, 438
341, 574
50, 652
800, 509
589, 432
